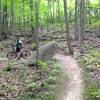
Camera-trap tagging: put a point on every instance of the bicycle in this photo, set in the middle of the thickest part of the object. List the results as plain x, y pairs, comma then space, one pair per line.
24, 53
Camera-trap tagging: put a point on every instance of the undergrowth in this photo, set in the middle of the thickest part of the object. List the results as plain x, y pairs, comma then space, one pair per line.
49, 83
96, 24
90, 62
22, 82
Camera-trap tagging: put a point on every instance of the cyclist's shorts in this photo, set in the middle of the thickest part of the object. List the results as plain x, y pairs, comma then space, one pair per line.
17, 49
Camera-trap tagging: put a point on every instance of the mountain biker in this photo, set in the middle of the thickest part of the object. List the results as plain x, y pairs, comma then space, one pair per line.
19, 45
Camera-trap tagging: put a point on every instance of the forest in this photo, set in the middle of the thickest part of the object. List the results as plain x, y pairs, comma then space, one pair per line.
49, 49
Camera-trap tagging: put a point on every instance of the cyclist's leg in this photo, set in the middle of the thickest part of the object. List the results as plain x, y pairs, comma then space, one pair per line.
18, 53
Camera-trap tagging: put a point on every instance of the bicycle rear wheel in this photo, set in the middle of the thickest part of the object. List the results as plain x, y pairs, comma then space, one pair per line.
25, 54
11, 55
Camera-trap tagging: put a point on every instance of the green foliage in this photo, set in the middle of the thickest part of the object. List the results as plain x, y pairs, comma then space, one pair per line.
22, 74
50, 83
51, 79
45, 96
55, 72
96, 24
56, 66
32, 85
8, 67
34, 45
45, 12
42, 65
92, 92
92, 58
26, 96
28, 81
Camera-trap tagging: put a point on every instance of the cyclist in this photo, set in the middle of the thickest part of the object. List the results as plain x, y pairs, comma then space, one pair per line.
19, 45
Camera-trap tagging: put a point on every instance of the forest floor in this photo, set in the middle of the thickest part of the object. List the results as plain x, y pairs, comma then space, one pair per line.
73, 86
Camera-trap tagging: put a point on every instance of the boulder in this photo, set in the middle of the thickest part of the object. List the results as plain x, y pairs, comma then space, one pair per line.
45, 53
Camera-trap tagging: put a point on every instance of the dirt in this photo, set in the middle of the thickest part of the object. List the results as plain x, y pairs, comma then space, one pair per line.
75, 87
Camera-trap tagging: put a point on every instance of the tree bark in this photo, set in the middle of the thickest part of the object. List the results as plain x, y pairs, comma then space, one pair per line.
37, 25
76, 23
0, 16
67, 28
32, 18
12, 16
81, 21
58, 1
23, 13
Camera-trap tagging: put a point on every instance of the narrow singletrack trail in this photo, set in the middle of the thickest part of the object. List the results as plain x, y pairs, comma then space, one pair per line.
75, 87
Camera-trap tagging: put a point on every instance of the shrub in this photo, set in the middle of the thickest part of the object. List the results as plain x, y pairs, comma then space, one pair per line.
92, 93
26, 96
42, 65
91, 61
51, 79
34, 45
8, 67
45, 96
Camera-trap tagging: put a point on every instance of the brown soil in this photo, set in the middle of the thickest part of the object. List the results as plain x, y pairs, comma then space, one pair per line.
75, 88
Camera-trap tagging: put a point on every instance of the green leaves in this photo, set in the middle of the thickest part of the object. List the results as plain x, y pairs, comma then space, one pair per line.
91, 61
8, 67
42, 65
92, 92
92, 58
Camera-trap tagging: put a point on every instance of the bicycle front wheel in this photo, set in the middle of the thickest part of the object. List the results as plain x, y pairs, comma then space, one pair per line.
11, 55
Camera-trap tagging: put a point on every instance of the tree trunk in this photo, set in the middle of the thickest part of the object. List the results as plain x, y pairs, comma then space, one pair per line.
36, 32
76, 24
67, 28
58, 4
0, 17
23, 13
50, 7
81, 24
12, 16
32, 18
53, 7
89, 5
5, 17
47, 20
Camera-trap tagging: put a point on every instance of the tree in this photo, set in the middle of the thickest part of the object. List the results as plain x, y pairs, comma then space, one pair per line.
58, 6
37, 25
32, 17
5, 17
81, 21
12, 16
75, 20
23, 2
88, 11
0, 16
67, 28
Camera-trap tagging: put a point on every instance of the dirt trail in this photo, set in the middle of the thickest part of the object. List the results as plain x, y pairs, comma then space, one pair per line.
74, 90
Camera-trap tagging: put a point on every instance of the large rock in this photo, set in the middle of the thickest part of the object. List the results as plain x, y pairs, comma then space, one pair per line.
46, 52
